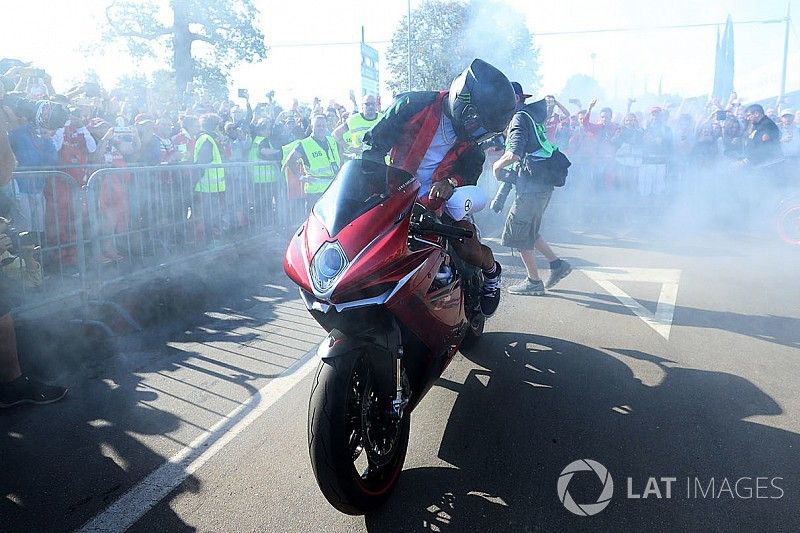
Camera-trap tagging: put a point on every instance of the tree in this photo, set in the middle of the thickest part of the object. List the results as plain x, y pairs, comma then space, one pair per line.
582, 87
225, 28
447, 35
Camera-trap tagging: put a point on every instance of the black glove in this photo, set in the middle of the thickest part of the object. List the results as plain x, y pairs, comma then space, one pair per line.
374, 156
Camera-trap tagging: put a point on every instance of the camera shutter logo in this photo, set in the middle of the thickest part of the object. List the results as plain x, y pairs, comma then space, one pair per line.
585, 509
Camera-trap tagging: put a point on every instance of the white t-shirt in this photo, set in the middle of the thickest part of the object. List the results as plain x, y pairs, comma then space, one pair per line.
443, 140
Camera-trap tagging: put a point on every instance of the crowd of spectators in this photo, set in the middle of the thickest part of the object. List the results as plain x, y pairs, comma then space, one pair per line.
648, 152
640, 152
115, 129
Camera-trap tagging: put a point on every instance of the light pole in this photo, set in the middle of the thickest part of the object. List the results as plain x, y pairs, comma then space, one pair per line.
408, 44
785, 57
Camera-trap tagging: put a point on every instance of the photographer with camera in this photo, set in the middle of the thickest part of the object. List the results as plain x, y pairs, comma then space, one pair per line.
17, 262
527, 145
15, 387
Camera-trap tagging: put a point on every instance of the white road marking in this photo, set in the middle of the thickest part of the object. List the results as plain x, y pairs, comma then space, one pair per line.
142, 497
661, 320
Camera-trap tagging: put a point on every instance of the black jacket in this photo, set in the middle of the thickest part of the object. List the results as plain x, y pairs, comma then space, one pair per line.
763, 142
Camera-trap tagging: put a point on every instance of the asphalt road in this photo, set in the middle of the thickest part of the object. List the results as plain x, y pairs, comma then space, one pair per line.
206, 429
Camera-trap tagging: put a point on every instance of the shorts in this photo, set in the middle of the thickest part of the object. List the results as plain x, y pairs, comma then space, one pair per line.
525, 219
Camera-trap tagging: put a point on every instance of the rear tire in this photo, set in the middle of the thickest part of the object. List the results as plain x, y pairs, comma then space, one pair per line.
342, 428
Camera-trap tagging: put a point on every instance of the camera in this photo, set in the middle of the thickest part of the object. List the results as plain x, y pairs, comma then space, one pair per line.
721, 115
19, 240
507, 179
242, 93
499, 200
497, 142
123, 133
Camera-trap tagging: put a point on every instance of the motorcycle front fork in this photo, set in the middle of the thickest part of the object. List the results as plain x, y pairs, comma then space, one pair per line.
400, 400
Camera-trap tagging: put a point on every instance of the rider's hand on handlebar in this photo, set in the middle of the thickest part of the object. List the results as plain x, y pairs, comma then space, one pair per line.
441, 190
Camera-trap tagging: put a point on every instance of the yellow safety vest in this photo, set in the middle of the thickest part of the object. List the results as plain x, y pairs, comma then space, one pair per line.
320, 165
266, 173
213, 179
357, 127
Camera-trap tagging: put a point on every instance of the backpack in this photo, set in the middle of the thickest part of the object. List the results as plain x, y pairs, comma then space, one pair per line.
552, 170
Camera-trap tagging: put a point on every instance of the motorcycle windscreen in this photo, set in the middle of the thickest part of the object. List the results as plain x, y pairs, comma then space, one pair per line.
358, 187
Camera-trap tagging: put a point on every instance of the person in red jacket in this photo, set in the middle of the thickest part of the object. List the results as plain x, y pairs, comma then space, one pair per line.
434, 135
75, 145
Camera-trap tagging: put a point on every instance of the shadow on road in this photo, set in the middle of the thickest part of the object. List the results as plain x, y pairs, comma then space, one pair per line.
776, 329
63, 464
542, 403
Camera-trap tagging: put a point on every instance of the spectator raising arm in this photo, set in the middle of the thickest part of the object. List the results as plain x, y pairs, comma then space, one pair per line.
555, 103
585, 120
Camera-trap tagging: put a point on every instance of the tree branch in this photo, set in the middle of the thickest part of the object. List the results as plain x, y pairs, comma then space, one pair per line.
199, 37
161, 30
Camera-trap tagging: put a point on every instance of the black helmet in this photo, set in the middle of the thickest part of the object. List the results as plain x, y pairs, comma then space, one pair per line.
481, 101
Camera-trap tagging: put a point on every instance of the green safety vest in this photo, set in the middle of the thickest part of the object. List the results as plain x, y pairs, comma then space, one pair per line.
266, 173
319, 164
357, 127
213, 179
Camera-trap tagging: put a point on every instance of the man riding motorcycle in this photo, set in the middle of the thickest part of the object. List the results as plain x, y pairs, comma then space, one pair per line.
434, 135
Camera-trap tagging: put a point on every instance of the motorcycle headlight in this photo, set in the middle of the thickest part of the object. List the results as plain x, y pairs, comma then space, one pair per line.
328, 263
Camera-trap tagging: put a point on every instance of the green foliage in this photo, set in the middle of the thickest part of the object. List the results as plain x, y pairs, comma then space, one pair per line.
195, 33
582, 87
136, 83
447, 35
211, 80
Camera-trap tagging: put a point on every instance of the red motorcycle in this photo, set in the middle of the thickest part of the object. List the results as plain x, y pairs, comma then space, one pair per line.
375, 270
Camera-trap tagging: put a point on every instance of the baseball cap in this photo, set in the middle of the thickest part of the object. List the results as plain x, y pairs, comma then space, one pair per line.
787, 112
518, 90
143, 118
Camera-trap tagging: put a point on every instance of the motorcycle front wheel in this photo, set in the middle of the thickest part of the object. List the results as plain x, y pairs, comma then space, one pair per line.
357, 448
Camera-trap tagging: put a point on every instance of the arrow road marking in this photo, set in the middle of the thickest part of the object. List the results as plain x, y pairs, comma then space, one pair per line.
661, 320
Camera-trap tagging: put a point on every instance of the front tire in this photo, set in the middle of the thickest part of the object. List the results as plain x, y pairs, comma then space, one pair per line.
348, 427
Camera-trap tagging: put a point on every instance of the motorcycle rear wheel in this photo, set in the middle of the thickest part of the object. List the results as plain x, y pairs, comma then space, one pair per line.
347, 422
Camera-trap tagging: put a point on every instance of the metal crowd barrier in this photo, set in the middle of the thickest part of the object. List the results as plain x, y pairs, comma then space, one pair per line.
125, 221
46, 212
143, 217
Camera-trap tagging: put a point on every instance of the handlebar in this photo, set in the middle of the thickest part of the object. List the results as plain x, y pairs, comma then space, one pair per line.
445, 230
